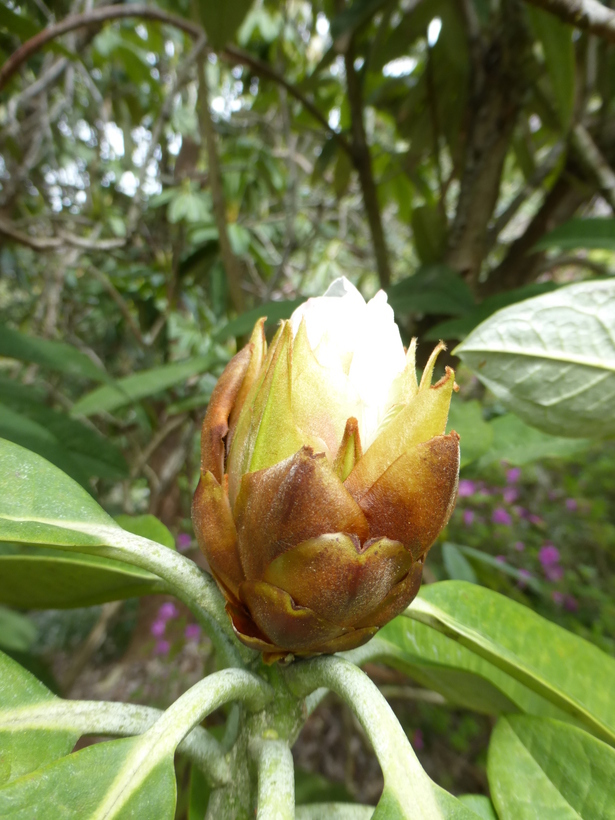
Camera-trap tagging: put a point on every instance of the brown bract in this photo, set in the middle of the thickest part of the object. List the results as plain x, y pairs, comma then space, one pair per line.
315, 552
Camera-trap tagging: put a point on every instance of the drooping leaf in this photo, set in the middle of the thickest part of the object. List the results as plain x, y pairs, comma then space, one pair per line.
478, 558
480, 805
517, 443
457, 566
597, 233
52, 581
23, 751
57, 356
141, 385
548, 769
562, 668
558, 49
551, 360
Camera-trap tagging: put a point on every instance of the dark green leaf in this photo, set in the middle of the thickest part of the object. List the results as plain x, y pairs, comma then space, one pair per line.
598, 233
558, 49
476, 435
457, 566
221, 20
17, 633
517, 443
433, 289
57, 356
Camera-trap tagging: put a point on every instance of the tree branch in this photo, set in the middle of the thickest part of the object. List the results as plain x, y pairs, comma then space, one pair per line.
231, 262
596, 164
50, 243
586, 14
362, 161
105, 14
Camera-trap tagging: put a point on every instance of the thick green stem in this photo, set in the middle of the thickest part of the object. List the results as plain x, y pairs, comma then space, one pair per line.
334, 811
182, 577
276, 780
404, 777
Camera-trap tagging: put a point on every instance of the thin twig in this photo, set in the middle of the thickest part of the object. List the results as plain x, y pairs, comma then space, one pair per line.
590, 15
50, 243
592, 158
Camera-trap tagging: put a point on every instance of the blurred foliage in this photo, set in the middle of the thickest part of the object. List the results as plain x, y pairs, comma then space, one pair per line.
460, 128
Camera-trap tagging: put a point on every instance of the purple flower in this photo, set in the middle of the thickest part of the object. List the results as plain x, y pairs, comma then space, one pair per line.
192, 632
519, 546
466, 488
535, 519
468, 517
183, 541
548, 555
501, 516
501, 559
572, 504
162, 648
513, 475
418, 741
522, 512
168, 611
157, 628
558, 597
554, 573
571, 603
510, 495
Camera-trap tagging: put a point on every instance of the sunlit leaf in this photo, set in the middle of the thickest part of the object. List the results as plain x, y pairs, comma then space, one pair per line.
551, 360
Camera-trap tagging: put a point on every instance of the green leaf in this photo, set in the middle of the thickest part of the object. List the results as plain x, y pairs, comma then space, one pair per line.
17, 633
23, 751
558, 49
30, 513
571, 673
147, 526
18, 24
142, 385
333, 811
551, 770
358, 13
274, 311
57, 356
457, 566
221, 20
199, 794
41, 581
461, 676
597, 233
458, 328
479, 557
189, 206
480, 805
432, 289
476, 435
517, 443
551, 360
429, 233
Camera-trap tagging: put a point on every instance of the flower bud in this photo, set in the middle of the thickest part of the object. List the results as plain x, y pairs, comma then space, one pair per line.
325, 477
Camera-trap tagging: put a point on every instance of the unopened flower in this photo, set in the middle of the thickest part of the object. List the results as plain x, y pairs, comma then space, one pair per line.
325, 477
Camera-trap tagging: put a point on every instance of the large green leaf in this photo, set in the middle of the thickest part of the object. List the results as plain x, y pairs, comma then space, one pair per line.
141, 385
274, 311
480, 805
558, 49
564, 669
22, 751
42, 581
598, 233
57, 356
550, 770
551, 359
517, 443
432, 289
460, 675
